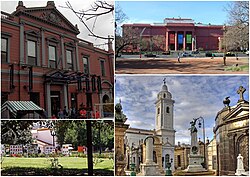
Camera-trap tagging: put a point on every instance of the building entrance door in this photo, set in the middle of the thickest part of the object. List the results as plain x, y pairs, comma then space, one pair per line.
179, 160
55, 102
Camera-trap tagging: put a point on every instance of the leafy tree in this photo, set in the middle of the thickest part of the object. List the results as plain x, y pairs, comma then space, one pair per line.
16, 132
75, 133
103, 135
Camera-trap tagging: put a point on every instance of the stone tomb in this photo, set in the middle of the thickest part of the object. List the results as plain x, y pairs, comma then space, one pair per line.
150, 168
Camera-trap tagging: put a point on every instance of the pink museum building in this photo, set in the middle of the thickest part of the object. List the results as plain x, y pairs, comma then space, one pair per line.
177, 34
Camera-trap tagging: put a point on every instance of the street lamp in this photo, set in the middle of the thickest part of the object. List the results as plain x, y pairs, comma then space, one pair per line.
199, 124
53, 134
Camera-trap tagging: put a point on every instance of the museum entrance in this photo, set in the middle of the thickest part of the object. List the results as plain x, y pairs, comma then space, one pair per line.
180, 41
188, 38
55, 102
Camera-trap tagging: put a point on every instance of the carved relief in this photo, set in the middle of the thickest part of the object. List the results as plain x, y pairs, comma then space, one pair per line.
51, 17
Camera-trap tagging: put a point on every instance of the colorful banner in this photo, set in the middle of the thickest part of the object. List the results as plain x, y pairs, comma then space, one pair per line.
189, 38
171, 38
180, 38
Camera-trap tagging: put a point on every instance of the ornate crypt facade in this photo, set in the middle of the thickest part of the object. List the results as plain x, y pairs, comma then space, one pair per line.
176, 34
44, 61
163, 136
232, 135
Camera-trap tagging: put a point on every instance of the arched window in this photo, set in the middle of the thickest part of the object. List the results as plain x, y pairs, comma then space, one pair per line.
167, 158
167, 109
158, 111
164, 95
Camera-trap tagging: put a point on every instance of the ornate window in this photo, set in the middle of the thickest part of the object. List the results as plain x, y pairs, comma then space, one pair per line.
4, 49
69, 59
85, 65
52, 57
102, 63
32, 47
52, 43
32, 52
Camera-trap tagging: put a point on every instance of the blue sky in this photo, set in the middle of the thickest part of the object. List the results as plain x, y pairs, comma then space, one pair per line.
155, 11
194, 96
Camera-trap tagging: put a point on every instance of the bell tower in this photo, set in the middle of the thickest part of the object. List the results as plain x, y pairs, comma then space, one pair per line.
164, 125
164, 109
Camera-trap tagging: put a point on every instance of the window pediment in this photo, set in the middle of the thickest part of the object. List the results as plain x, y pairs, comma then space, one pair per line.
32, 33
52, 39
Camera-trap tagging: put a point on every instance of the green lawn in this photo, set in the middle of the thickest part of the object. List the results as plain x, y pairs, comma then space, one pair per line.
66, 162
239, 68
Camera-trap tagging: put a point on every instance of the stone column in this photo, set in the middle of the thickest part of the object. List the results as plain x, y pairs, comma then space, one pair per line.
167, 47
193, 140
149, 149
176, 44
22, 43
62, 53
43, 47
193, 41
184, 41
38, 52
65, 96
48, 100
77, 57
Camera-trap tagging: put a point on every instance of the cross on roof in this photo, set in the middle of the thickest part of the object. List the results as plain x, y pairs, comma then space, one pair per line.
241, 91
164, 81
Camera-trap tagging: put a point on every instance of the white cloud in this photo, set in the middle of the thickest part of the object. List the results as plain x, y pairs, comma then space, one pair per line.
194, 96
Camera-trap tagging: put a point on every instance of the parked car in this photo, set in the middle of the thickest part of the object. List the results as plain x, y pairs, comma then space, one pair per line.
150, 55
230, 54
186, 54
166, 53
195, 52
247, 52
208, 54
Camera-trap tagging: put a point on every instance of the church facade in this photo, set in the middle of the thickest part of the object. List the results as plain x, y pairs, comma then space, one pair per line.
43, 60
164, 135
176, 34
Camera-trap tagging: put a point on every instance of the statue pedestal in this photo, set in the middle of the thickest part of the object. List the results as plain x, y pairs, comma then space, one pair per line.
150, 169
195, 162
120, 158
119, 168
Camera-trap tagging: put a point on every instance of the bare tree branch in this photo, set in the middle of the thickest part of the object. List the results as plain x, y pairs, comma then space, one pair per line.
96, 10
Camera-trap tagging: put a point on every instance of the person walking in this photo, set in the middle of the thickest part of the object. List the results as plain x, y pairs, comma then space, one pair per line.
65, 112
179, 58
60, 114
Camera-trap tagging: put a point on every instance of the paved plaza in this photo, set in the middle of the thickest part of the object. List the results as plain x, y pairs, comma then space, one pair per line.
206, 65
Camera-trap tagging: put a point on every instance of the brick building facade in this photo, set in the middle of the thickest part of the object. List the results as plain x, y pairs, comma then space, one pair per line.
177, 34
44, 61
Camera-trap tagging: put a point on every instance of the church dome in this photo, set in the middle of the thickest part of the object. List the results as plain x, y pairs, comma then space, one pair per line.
164, 88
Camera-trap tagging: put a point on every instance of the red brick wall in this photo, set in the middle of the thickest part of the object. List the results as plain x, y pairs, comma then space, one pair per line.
38, 71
